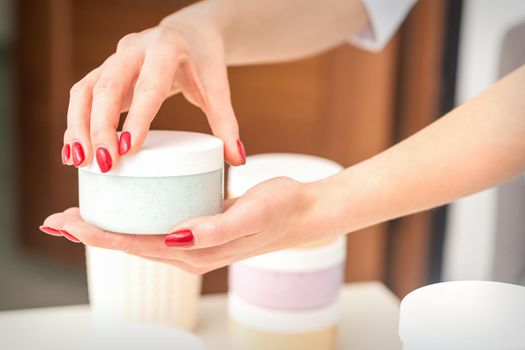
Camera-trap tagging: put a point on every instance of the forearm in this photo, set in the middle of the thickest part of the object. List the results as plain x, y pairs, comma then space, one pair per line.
474, 147
256, 31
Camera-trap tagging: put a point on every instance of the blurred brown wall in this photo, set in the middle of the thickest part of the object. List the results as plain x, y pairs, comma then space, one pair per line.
345, 105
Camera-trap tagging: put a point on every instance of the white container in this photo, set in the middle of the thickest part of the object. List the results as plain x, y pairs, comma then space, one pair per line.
175, 176
304, 277
291, 279
262, 167
466, 315
287, 299
257, 328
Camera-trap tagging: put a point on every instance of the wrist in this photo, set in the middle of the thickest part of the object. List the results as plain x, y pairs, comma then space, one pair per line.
203, 15
324, 209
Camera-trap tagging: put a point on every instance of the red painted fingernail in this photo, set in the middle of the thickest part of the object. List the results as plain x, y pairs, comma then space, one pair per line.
50, 231
182, 238
66, 153
70, 237
124, 143
242, 151
103, 159
78, 154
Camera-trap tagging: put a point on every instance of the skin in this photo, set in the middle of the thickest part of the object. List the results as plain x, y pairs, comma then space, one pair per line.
475, 146
188, 53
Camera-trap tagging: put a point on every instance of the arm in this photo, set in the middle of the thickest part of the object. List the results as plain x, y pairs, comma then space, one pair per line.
187, 53
268, 31
476, 146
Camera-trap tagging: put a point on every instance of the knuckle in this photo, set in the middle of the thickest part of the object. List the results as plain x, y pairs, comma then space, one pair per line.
105, 86
147, 85
126, 41
97, 134
212, 232
78, 88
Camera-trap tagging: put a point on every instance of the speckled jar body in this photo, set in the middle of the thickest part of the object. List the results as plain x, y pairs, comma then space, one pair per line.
148, 205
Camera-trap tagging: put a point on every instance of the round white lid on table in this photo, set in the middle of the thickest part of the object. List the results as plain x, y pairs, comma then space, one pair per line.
262, 167
301, 259
281, 321
464, 315
169, 153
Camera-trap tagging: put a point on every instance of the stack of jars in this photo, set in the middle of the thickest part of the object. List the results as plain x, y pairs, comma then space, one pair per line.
287, 299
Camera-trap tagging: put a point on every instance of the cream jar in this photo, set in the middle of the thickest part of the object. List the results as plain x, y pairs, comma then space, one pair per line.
287, 299
175, 176
258, 328
291, 279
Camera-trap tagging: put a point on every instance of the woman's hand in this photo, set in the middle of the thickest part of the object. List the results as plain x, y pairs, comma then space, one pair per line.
277, 214
185, 53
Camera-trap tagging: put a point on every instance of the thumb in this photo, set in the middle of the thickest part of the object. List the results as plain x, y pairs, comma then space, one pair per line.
241, 219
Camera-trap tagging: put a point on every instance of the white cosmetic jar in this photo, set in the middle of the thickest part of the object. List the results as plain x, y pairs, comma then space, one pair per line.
173, 177
464, 315
176, 175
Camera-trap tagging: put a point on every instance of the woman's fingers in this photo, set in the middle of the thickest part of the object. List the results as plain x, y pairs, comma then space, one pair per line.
151, 88
219, 109
108, 93
77, 143
243, 218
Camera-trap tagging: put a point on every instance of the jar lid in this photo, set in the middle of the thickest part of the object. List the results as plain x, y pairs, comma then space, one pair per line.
464, 315
262, 167
301, 259
282, 321
169, 153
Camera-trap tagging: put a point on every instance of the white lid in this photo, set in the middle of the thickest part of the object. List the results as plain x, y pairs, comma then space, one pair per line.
169, 153
279, 321
464, 315
301, 259
262, 167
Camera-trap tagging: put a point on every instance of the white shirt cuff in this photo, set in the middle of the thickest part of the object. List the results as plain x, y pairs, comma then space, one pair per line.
385, 17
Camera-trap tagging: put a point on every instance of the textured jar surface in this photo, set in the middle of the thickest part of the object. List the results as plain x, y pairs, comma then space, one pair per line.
148, 205
286, 290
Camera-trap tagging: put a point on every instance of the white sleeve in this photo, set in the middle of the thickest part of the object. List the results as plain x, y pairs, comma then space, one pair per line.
385, 16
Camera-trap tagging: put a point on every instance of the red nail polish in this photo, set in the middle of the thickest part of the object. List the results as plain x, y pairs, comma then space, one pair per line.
242, 151
78, 154
50, 231
182, 238
124, 143
70, 237
103, 159
66, 153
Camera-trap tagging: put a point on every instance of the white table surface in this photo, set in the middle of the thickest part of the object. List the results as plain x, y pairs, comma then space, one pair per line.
370, 320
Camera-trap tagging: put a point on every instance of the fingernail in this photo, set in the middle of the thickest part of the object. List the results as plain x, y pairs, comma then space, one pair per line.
78, 154
103, 159
182, 238
242, 151
50, 231
69, 236
66, 153
124, 143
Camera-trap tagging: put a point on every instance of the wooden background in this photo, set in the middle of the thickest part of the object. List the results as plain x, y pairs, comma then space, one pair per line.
345, 105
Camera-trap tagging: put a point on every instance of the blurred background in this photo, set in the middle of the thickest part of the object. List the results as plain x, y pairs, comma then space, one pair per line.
346, 105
